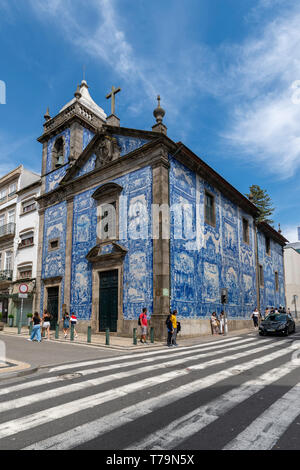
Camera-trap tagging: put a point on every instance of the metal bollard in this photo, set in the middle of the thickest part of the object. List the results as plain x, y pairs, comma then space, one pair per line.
152, 334
134, 336
72, 333
19, 328
107, 337
57, 331
89, 334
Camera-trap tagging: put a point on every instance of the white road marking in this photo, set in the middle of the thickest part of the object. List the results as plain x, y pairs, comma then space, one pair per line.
91, 430
48, 394
180, 429
266, 430
143, 354
50, 380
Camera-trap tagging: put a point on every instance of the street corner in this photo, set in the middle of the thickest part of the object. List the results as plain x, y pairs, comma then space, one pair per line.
9, 367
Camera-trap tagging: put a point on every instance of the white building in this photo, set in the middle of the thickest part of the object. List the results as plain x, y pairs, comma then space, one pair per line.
19, 221
292, 276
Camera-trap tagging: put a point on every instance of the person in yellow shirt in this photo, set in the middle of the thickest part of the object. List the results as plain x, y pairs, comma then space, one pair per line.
174, 324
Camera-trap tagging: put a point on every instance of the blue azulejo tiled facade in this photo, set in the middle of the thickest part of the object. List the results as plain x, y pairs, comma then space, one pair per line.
53, 178
272, 294
214, 257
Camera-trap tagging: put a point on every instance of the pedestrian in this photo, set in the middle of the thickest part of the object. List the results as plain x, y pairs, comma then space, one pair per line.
289, 312
267, 312
47, 317
214, 323
173, 319
74, 322
36, 330
255, 317
66, 324
222, 322
170, 331
143, 322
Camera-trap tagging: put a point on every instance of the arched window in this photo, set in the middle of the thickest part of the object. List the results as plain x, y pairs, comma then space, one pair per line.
58, 153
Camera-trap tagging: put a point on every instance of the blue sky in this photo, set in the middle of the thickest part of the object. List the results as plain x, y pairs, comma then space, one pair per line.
226, 70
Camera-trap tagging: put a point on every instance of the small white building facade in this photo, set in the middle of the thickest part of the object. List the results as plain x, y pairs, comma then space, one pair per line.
292, 277
19, 222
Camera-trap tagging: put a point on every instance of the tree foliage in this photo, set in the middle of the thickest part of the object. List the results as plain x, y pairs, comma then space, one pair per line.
263, 202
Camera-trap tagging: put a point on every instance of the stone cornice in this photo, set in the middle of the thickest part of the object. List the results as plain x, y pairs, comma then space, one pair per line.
78, 112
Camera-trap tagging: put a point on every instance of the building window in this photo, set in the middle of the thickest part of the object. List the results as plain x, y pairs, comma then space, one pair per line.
8, 261
209, 209
2, 220
12, 189
107, 221
11, 217
3, 194
276, 281
261, 275
246, 238
54, 244
28, 206
58, 152
268, 246
25, 273
26, 240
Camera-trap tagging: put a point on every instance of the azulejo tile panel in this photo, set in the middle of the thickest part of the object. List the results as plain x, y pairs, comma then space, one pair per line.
138, 269
217, 259
53, 263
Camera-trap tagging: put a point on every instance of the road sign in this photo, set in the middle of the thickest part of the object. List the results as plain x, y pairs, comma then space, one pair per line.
23, 296
23, 288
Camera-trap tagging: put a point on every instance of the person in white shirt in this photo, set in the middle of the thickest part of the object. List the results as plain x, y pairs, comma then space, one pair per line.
255, 318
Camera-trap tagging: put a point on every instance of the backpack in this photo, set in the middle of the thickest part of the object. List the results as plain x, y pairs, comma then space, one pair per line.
139, 321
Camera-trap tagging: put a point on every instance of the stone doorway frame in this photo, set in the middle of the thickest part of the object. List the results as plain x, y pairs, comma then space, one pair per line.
52, 282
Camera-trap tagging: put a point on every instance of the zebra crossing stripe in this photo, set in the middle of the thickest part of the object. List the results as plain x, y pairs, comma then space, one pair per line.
143, 354
180, 429
39, 397
266, 430
51, 380
89, 431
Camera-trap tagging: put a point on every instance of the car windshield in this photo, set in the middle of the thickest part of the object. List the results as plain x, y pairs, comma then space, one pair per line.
276, 318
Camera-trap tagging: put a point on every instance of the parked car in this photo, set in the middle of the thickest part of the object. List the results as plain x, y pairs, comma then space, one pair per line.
279, 323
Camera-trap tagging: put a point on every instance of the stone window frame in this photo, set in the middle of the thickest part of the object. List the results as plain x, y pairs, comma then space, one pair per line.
246, 233
24, 236
212, 222
261, 275
53, 240
268, 245
109, 193
276, 281
54, 153
24, 267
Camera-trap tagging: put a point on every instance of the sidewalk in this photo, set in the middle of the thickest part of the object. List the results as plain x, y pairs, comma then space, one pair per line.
123, 343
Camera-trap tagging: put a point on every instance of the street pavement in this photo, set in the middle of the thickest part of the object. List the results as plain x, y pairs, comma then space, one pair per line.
240, 392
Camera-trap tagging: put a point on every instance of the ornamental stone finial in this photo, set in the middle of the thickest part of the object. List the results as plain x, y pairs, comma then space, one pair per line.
47, 116
77, 93
159, 114
279, 229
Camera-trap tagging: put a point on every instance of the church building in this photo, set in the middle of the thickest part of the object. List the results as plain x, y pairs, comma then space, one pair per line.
130, 219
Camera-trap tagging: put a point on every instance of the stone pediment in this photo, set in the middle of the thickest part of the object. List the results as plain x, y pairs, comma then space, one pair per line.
105, 251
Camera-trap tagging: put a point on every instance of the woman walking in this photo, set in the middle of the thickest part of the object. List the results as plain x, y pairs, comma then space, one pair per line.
36, 330
46, 323
66, 324
74, 322
214, 323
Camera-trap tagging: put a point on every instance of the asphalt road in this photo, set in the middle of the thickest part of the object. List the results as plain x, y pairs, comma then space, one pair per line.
241, 392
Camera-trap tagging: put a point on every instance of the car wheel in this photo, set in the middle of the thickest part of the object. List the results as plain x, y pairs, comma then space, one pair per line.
262, 333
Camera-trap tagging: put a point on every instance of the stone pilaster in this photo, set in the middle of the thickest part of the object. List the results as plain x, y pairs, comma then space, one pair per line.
39, 261
44, 166
161, 251
68, 258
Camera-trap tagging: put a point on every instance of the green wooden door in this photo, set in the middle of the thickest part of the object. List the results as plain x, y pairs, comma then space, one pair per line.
52, 305
108, 303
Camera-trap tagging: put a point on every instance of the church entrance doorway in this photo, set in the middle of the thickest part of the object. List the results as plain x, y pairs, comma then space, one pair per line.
52, 305
108, 300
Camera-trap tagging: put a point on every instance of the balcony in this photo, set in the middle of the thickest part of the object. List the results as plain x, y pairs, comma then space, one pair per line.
6, 275
8, 230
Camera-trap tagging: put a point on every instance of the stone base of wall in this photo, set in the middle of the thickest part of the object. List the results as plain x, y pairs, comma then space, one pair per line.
189, 328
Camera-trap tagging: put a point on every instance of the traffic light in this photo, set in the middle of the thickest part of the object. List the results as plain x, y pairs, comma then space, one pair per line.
224, 296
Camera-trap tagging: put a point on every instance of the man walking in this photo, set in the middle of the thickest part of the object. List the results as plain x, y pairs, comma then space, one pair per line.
143, 322
174, 323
